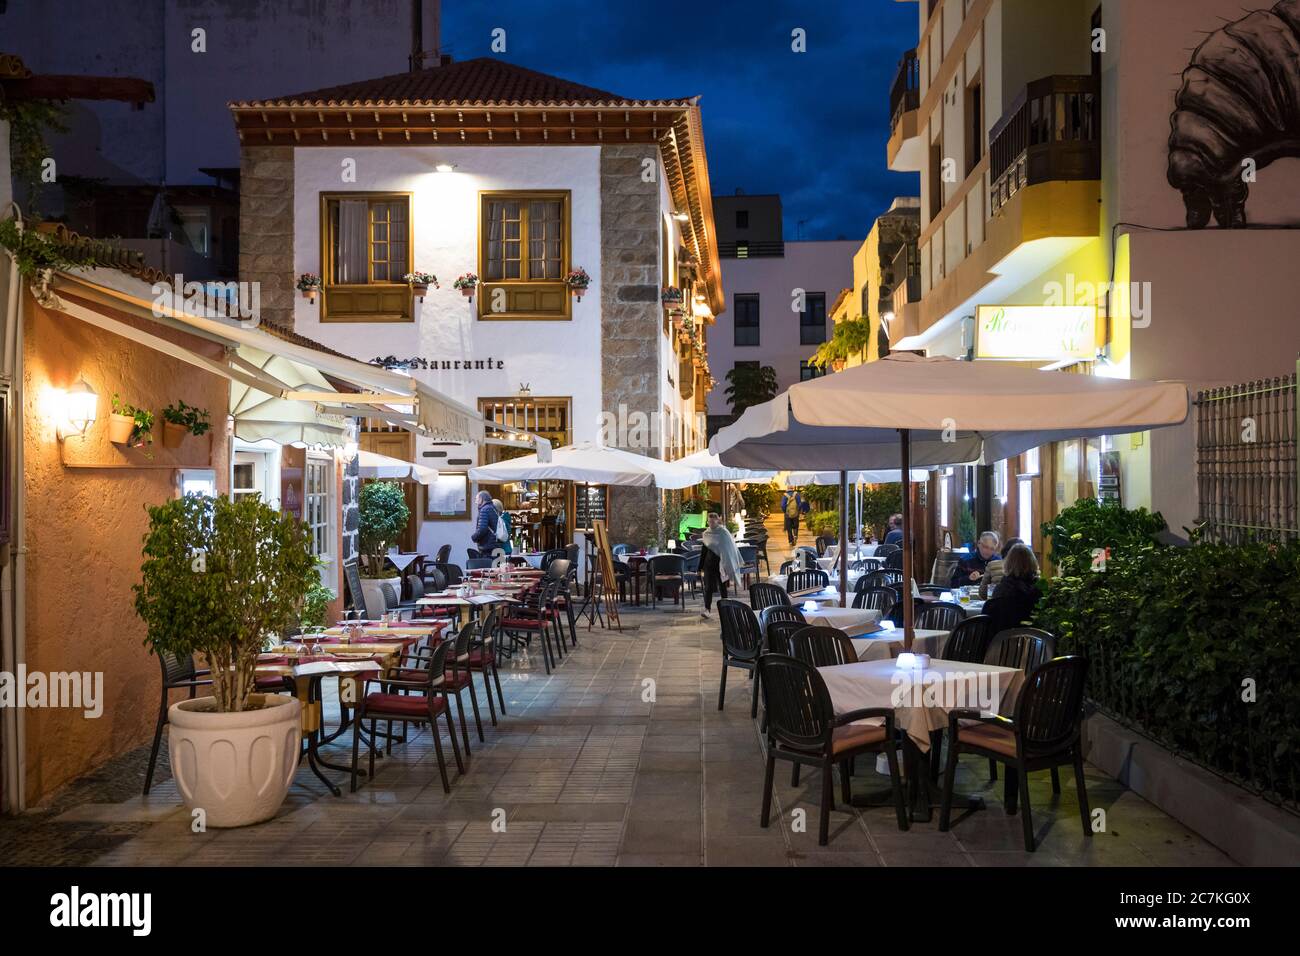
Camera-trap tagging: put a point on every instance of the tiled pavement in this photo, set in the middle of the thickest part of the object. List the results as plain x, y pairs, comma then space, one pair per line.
619, 757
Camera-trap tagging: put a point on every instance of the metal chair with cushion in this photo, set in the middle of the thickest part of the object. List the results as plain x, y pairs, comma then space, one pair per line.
742, 642
802, 728
1044, 734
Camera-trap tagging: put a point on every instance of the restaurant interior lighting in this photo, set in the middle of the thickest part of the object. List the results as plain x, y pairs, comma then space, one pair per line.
80, 405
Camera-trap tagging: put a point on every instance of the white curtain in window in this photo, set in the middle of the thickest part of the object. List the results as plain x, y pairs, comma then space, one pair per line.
350, 248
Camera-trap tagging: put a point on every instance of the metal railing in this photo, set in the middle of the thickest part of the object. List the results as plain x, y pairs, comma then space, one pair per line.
905, 92
1052, 132
1246, 468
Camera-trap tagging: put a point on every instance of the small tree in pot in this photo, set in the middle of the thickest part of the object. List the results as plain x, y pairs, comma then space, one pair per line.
383, 516
219, 577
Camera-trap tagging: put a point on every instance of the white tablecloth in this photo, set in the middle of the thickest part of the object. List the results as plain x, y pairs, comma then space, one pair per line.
921, 699
849, 620
780, 579
884, 645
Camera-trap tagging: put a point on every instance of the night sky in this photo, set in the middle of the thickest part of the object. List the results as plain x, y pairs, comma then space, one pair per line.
811, 126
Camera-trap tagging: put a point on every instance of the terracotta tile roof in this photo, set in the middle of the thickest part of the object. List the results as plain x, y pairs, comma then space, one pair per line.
104, 253
480, 82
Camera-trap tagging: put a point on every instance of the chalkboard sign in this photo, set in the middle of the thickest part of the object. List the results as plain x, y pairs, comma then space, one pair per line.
592, 504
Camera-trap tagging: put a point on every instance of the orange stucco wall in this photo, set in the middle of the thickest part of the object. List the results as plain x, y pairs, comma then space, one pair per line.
85, 525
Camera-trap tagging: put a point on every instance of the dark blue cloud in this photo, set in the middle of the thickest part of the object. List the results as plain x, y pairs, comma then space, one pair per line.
811, 126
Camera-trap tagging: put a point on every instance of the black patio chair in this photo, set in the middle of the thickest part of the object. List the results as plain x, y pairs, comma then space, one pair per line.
742, 642
762, 595
807, 581
894, 560
802, 728
779, 612
666, 572
940, 615
822, 646
178, 673
1043, 734
969, 641
1023, 648
876, 599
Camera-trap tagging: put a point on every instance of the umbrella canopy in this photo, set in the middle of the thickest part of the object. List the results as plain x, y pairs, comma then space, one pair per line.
956, 412
711, 468
878, 477
372, 465
594, 464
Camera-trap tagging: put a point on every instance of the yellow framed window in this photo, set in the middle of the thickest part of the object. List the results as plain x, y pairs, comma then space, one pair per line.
524, 255
366, 241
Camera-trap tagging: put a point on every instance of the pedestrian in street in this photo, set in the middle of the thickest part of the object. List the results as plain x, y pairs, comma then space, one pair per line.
793, 507
503, 526
484, 536
719, 560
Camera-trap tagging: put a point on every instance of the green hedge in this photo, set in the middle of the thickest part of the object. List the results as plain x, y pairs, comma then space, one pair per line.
1176, 635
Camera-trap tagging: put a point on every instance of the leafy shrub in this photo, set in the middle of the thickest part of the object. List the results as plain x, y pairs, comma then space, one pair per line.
879, 502
824, 522
1178, 638
383, 517
1088, 525
761, 499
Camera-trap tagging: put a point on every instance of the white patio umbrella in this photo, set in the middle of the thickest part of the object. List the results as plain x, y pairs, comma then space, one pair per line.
878, 476
373, 465
593, 464
909, 409
712, 469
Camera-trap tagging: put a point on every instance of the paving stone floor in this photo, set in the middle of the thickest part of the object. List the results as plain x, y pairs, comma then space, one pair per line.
588, 770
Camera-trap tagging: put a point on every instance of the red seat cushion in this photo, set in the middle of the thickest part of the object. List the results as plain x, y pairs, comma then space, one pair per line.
478, 658
522, 623
456, 681
409, 674
270, 682
377, 705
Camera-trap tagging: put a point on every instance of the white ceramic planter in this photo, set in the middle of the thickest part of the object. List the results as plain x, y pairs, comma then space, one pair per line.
235, 767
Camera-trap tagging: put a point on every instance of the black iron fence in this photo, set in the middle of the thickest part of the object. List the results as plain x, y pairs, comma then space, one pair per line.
1246, 474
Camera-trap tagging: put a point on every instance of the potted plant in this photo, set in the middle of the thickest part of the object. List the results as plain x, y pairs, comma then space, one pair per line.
577, 280
180, 420
218, 577
420, 282
309, 285
466, 283
129, 425
671, 297
383, 515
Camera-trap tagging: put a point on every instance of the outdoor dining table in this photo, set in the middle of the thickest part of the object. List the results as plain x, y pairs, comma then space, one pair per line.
886, 644
921, 698
833, 580
466, 605
850, 620
304, 674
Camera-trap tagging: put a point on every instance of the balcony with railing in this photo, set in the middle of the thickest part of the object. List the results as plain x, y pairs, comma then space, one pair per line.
905, 272
904, 151
1052, 132
905, 93
751, 249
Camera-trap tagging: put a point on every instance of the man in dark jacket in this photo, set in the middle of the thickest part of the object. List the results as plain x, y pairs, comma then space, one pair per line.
485, 526
895, 533
971, 568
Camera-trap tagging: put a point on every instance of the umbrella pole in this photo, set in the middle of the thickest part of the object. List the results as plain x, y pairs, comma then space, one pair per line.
723, 486
844, 537
909, 605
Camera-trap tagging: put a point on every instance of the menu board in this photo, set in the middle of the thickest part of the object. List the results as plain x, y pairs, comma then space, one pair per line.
592, 504
1108, 487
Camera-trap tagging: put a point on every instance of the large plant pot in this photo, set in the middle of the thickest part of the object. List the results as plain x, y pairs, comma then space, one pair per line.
235, 767
173, 435
370, 589
119, 428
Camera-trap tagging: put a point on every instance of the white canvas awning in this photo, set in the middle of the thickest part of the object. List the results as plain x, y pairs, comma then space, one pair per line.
259, 414
712, 468
594, 464
373, 465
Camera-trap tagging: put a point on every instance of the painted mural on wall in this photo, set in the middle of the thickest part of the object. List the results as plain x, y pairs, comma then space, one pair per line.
1237, 111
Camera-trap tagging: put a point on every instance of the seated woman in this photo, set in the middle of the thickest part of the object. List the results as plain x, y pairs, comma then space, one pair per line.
993, 571
1016, 595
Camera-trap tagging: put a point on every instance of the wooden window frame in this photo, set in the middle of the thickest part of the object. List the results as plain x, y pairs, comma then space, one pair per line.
486, 286
407, 312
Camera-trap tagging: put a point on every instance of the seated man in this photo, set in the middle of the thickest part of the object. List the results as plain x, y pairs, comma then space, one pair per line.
895, 533
970, 569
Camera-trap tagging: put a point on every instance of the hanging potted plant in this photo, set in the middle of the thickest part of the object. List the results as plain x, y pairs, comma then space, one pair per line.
180, 420
671, 297
309, 286
577, 280
218, 578
420, 282
129, 425
466, 283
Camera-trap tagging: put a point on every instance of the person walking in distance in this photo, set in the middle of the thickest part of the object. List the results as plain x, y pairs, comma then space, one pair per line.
793, 507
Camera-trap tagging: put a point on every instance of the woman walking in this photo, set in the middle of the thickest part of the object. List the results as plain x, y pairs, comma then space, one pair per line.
719, 560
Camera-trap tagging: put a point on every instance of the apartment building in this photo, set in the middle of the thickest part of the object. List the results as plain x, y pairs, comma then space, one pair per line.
1082, 198
779, 294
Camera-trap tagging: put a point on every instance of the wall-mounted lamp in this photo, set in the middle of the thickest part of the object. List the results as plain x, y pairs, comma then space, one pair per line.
681, 216
80, 406
445, 167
